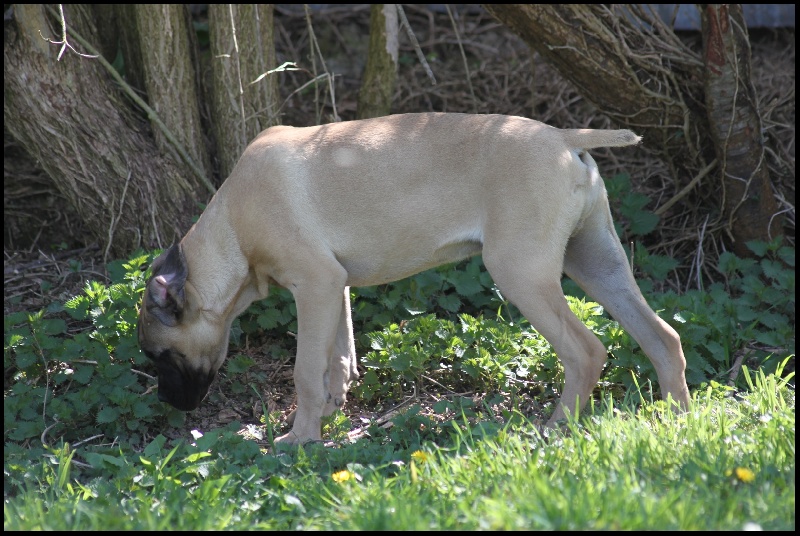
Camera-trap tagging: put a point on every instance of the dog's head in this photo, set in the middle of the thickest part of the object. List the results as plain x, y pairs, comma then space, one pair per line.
187, 343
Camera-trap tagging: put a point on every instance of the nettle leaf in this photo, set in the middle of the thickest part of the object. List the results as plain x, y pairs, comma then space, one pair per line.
142, 409
728, 263
400, 362
239, 364
83, 374
16, 339
787, 255
133, 425
773, 269
773, 320
642, 223
104, 461
716, 350
658, 266
269, 318
745, 313
633, 202
465, 283
26, 358
618, 185
153, 449
111, 371
176, 418
78, 307
25, 430
758, 247
107, 414
450, 302
770, 338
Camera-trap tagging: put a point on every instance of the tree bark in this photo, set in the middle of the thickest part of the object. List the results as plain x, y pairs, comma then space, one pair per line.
108, 29
129, 42
242, 50
749, 204
380, 73
170, 79
102, 158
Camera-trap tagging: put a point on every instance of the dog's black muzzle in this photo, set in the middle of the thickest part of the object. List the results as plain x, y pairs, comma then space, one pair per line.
182, 388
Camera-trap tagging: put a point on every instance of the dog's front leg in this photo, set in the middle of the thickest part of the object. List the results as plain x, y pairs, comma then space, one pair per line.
319, 301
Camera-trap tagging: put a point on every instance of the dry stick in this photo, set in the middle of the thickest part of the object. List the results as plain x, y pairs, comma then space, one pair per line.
312, 37
140, 373
151, 114
313, 63
700, 256
686, 189
64, 42
737, 366
43, 437
301, 88
238, 74
414, 42
114, 221
384, 418
463, 57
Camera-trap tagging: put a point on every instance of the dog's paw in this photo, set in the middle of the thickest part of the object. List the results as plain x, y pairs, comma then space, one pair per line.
299, 435
292, 440
287, 440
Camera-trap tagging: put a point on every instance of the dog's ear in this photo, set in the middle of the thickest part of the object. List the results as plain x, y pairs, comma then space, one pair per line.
165, 290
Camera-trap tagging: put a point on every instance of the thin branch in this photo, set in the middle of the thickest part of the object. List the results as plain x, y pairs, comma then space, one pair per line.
64, 42
316, 50
686, 189
114, 221
414, 42
463, 57
238, 75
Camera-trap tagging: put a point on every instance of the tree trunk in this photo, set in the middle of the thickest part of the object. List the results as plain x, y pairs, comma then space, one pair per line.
632, 66
749, 204
242, 50
380, 73
129, 42
70, 117
108, 29
169, 78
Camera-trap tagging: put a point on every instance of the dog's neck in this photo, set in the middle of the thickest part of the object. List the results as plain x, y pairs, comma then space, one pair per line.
218, 270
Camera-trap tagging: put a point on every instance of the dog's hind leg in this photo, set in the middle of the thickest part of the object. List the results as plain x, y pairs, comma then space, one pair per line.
342, 363
532, 281
596, 261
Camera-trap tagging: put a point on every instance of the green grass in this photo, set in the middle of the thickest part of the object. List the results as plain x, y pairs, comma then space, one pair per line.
725, 465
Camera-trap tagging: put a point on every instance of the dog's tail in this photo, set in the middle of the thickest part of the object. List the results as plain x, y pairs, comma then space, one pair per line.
585, 138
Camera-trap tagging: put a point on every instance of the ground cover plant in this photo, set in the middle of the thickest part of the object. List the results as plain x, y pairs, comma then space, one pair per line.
447, 409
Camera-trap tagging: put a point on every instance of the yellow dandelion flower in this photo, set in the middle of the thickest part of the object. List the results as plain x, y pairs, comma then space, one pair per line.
420, 456
342, 476
745, 475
